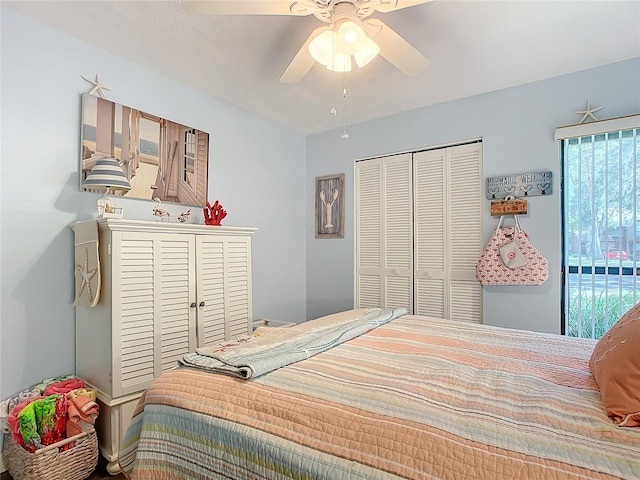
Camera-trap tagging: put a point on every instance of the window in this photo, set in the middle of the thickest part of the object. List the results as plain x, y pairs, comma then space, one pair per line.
601, 234
189, 168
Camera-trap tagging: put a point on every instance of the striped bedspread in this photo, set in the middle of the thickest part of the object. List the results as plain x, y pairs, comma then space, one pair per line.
416, 398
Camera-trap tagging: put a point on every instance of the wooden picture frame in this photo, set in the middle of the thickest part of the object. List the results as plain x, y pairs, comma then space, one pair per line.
330, 206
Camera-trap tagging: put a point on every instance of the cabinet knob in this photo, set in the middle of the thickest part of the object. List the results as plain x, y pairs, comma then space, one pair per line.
202, 304
193, 304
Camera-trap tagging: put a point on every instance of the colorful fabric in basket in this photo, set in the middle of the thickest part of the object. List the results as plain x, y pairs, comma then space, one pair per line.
10, 403
39, 422
51, 418
28, 427
86, 392
42, 386
82, 411
66, 382
20, 422
64, 386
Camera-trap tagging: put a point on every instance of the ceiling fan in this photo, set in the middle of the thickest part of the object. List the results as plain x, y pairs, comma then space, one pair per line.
349, 32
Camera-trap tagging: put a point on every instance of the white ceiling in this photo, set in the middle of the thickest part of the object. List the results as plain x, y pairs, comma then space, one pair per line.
474, 47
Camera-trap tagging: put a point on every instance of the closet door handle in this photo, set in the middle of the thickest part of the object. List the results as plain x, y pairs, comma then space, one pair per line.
202, 304
193, 305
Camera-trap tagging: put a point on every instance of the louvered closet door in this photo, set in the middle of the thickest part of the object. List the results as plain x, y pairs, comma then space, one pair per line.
397, 237
224, 288
448, 222
384, 253
431, 252
154, 277
368, 186
465, 231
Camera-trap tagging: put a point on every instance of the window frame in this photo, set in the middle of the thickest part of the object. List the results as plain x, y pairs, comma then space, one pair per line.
566, 133
190, 155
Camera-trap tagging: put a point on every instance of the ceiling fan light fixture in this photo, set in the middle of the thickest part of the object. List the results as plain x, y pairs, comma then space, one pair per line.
367, 52
321, 48
324, 50
350, 37
341, 63
334, 47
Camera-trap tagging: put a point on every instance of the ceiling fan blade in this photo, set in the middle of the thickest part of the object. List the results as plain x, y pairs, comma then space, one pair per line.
396, 49
302, 62
235, 7
391, 5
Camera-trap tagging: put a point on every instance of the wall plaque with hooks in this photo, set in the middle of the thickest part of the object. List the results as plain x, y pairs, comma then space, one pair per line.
520, 185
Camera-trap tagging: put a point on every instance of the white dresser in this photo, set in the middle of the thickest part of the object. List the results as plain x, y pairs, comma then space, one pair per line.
167, 288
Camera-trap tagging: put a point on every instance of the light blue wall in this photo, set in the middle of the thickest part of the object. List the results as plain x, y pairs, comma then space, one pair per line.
257, 171
517, 127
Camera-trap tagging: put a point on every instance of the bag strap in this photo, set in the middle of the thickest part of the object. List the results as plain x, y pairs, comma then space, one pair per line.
517, 227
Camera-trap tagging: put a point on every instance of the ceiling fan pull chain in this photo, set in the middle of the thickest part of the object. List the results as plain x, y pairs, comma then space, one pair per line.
333, 110
345, 135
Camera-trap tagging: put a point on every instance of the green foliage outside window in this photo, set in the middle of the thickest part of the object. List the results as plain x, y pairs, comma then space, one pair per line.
591, 316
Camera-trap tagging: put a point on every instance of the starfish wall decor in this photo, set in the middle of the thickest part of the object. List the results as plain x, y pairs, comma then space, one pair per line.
588, 113
98, 87
86, 275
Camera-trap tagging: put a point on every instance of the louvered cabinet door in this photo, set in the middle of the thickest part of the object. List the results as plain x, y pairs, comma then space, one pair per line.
223, 288
176, 262
152, 322
464, 177
238, 287
211, 282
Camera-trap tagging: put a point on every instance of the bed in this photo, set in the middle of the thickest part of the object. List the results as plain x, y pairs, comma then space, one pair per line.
406, 397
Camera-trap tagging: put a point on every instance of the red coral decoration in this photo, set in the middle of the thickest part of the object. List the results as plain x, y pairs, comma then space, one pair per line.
213, 214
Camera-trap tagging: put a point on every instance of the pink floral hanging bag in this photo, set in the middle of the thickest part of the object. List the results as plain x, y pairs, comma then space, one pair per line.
511, 259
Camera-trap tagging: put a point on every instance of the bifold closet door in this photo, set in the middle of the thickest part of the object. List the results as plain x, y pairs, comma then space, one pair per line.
448, 232
384, 251
431, 275
419, 232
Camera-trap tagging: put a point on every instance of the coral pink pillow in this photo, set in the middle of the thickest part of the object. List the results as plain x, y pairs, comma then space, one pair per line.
615, 365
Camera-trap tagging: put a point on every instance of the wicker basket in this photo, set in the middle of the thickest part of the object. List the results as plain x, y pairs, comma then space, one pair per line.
49, 463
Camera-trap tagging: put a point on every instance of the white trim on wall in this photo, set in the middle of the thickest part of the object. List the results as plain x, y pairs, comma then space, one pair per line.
423, 149
594, 128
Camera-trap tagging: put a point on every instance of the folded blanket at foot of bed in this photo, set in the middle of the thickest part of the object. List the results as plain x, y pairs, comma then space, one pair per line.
271, 348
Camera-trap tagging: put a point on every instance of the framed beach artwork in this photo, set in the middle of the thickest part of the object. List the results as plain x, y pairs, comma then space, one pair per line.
330, 206
162, 159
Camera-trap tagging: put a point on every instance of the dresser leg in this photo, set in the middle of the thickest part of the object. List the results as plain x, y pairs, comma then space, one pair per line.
113, 468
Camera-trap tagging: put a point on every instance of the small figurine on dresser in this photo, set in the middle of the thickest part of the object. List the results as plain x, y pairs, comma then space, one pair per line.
161, 213
213, 214
184, 216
